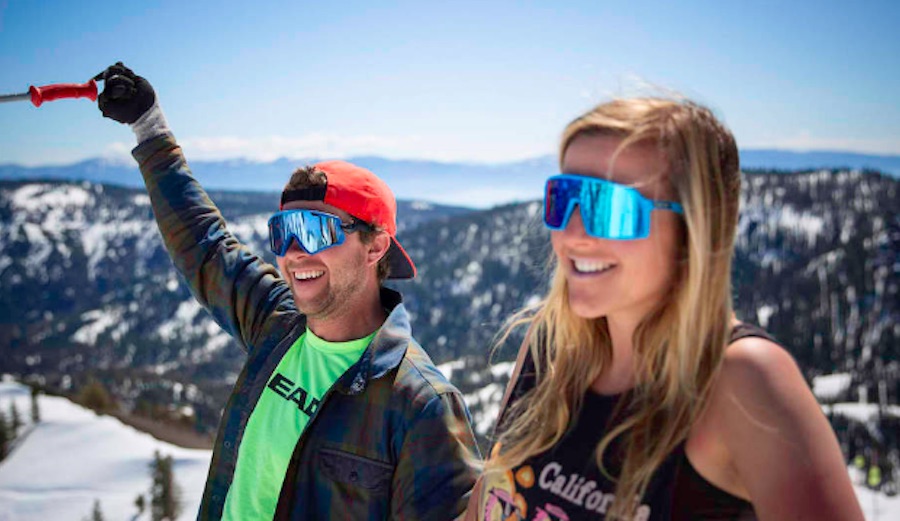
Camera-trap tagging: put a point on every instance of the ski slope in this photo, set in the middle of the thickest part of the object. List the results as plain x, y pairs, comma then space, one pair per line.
72, 457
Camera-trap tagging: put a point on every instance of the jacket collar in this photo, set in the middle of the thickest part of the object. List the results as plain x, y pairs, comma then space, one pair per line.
386, 350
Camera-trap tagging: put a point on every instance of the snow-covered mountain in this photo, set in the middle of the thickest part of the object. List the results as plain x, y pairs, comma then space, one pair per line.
88, 293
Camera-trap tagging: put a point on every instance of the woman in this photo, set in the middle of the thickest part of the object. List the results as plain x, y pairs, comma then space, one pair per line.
636, 394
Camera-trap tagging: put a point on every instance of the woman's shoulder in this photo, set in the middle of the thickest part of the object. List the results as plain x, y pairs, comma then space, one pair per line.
743, 397
774, 443
757, 366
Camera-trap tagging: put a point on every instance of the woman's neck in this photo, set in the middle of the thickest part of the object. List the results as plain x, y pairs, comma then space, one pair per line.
619, 376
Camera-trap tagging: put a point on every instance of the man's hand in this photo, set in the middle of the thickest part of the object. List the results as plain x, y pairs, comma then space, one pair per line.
126, 96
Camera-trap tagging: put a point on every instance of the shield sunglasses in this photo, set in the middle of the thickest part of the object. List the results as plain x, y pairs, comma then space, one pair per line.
609, 210
314, 231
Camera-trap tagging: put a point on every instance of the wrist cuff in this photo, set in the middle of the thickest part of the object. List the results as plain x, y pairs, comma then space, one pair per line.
151, 124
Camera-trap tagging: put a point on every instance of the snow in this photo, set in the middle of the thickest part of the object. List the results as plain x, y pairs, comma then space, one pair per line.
72, 457
99, 239
877, 506
802, 223
466, 280
98, 321
830, 386
502, 369
485, 416
249, 228
448, 368
35, 197
763, 314
217, 341
862, 412
485, 402
183, 320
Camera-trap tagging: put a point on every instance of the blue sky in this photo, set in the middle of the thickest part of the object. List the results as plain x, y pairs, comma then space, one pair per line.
472, 81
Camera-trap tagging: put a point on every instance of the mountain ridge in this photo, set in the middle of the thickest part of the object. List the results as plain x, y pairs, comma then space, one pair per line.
472, 184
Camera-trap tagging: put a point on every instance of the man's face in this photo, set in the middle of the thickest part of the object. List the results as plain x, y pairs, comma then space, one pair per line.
330, 283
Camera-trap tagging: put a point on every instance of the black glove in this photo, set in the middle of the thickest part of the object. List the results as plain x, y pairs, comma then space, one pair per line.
126, 96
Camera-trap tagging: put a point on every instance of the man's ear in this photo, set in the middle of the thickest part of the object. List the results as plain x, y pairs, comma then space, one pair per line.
378, 248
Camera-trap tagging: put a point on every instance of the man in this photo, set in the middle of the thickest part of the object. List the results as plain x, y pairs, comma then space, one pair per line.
338, 412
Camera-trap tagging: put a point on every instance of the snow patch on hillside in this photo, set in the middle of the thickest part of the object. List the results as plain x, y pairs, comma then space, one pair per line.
98, 321
38, 197
861, 412
251, 228
73, 457
183, 321
830, 386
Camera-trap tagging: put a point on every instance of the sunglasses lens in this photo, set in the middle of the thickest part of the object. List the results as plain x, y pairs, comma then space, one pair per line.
314, 231
611, 211
276, 235
608, 210
561, 195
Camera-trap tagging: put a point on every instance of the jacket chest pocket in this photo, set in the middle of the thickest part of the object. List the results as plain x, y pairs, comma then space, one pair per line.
350, 469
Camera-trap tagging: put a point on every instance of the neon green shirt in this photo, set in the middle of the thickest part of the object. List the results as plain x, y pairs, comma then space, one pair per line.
290, 399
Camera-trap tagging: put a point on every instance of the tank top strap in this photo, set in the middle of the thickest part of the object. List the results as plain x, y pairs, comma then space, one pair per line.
744, 330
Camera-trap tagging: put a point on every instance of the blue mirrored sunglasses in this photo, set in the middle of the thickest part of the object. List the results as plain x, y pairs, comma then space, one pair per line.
314, 231
609, 210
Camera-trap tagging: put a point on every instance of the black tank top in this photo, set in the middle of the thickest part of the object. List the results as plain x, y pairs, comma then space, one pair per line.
565, 483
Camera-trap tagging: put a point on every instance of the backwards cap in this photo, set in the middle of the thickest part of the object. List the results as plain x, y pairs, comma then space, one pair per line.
363, 195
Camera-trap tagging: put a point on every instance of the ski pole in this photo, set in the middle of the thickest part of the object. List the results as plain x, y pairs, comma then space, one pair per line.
38, 95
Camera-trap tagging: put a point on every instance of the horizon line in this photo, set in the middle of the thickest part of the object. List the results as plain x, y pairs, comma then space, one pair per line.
126, 159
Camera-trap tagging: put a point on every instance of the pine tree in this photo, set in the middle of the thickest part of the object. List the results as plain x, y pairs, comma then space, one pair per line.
15, 420
35, 408
165, 496
97, 514
139, 504
4, 437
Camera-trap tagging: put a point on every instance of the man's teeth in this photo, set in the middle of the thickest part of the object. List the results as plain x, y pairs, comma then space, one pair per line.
590, 266
307, 275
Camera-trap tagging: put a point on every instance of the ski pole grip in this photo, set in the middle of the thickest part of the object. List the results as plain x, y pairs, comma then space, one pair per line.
63, 90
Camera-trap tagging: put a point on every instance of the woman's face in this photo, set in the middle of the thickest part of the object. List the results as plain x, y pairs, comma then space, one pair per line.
622, 280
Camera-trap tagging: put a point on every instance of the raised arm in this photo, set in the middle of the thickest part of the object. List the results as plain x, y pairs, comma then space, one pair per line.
245, 295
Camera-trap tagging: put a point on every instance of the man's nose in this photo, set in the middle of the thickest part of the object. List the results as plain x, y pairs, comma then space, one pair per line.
294, 248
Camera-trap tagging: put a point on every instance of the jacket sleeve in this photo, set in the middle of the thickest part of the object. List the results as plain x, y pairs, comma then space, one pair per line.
245, 295
438, 464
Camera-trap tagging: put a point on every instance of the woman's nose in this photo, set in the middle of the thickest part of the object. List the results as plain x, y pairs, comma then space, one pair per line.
574, 229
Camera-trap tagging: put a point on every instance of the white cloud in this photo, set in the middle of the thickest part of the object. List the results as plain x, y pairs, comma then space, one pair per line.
319, 145
118, 152
269, 148
805, 141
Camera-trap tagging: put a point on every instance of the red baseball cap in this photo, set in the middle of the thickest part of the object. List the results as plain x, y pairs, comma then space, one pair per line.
363, 195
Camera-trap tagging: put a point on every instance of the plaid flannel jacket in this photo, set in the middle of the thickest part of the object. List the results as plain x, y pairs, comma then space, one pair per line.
391, 439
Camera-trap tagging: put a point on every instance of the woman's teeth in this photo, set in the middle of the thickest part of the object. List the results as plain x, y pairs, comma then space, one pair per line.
591, 266
308, 275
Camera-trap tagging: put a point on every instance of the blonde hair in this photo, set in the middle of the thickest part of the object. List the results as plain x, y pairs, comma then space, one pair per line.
678, 346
